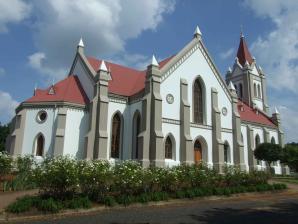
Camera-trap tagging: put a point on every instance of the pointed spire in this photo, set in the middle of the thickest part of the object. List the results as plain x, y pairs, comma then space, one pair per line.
81, 43
154, 61
231, 86
229, 70
197, 32
103, 66
276, 111
243, 53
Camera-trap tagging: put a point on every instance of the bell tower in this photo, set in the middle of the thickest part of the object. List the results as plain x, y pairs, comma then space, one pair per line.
248, 78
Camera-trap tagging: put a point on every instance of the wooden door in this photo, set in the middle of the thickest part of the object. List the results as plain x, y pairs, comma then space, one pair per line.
197, 152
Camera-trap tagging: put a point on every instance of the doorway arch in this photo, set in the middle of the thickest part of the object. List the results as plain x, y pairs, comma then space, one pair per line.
200, 150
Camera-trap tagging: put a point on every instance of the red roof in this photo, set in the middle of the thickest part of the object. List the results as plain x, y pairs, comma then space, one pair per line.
125, 81
68, 90
251, 115
243, 53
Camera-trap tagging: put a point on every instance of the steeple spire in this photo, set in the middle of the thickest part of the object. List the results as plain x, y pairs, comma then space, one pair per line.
243, 53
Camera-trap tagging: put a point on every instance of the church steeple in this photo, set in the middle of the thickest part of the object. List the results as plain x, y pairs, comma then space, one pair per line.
243, 53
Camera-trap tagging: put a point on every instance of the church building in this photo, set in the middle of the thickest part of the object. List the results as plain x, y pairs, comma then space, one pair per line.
177, 111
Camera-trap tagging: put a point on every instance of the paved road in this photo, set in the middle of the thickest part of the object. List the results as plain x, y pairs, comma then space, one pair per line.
265, 208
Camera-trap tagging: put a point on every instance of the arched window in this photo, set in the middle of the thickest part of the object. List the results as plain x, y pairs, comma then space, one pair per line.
116, 136
259, 91
39, 145
257, 142
226, 152
198, 151
136, 131
273, 140
255, 90
168, 148
241, 90
198, 103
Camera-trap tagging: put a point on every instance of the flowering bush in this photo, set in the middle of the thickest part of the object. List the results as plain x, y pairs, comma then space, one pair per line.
6, 164
57, 177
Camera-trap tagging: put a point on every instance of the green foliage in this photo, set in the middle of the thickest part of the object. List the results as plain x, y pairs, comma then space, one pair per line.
21, 205
268, 152
6, 164
4, 131
57, 177
50, 205
109, 201
78, 202
290, 156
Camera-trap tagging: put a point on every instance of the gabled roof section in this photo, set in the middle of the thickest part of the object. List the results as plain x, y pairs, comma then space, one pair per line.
243, 53
125, 81
68, 90
254, 116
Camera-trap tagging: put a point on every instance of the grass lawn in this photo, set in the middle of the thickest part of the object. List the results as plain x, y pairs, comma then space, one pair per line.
292, 180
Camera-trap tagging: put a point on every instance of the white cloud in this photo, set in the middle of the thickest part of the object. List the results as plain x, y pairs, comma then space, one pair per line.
104, 25
228, 53
7, 107
277, 52
12, 11
2, 72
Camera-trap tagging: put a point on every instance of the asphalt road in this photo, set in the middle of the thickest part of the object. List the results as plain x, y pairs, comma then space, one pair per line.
265, 208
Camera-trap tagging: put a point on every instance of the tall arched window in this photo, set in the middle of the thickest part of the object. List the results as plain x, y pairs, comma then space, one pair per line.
168, 148
136, 131
241, 91
116, 136
259, 91
257, 142
273, 140
226, 152
255, 90
40, 145
198, 102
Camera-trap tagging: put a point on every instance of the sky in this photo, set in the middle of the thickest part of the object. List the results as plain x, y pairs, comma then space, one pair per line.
38, 41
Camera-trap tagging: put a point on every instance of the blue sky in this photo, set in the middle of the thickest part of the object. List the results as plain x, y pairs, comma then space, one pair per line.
38, 41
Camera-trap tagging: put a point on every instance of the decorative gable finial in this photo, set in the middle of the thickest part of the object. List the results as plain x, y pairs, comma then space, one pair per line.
103, 66
35, 88
154, 61
229, 70
231, 86
81, 43
197, 32
276, 111
241, 31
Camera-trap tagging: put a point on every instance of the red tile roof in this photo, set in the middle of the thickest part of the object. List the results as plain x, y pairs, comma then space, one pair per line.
243, 53
249, 114
125, 81
68, 90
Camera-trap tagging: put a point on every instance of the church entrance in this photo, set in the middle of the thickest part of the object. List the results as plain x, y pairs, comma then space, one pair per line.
197, 152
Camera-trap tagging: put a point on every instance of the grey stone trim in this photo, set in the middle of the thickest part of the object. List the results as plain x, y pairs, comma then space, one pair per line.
60, 132
238, 148
207, 127
51, 104
171, 121
217, 143
226, 130
117, 100
252, 162
186, 146
266, 135
16, 137
264, 94
257, 125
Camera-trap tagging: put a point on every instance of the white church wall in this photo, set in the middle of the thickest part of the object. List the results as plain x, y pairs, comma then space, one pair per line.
245, 145
190, 69
207, 135
75, 132
34, 128
174, 130
84, 78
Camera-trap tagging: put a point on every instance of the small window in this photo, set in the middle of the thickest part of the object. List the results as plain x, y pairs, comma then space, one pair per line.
42, 116
226, 152
168, 148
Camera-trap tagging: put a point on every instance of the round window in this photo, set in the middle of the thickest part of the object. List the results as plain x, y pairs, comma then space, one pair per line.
41, 116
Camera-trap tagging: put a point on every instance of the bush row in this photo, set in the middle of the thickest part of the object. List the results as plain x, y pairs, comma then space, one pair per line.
53, 205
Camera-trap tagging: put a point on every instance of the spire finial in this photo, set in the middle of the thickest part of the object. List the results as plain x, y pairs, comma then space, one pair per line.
241, 31
35, 88
81, 43
276, 111
154, 61
103, 66
231, 86
197, 32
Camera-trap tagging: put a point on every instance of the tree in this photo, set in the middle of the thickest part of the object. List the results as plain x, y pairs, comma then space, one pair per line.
268, 152
4, 131
290, 156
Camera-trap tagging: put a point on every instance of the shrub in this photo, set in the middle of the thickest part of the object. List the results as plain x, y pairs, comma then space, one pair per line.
24, 171
57, 177
21, 205
125, 199
144, 198
109, 201
78, 202
5, 163
49, 205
